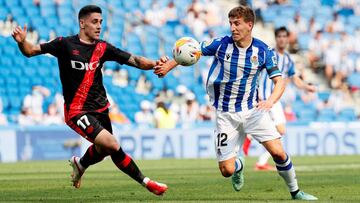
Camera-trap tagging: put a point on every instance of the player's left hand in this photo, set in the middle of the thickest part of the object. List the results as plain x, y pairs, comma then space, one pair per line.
264, 105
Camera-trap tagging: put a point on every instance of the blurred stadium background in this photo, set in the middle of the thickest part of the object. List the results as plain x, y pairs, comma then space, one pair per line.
324, 43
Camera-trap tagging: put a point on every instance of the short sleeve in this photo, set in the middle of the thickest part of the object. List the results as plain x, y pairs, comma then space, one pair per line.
271, 63
115, 54
209, 48
291, 71
53, 47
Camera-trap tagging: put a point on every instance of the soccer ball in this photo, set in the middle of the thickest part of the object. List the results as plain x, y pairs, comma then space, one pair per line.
186, 51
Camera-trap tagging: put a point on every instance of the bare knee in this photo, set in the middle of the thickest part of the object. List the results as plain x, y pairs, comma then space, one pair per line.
226, 171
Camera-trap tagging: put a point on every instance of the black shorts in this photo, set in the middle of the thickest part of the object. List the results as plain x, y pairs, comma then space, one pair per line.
89, 124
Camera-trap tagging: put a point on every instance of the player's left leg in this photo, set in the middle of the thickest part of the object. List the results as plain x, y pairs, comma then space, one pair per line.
286, 169
278, 117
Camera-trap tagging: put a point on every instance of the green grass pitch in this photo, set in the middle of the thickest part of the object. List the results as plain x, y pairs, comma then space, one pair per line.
331, 179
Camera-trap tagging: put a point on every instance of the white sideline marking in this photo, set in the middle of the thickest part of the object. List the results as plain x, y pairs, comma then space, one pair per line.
326, 167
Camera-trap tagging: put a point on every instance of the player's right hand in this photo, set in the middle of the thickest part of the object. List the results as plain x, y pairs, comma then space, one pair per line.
19, 34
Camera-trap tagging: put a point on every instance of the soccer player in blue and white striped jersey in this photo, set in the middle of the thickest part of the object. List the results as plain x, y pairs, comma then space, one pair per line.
266, 86
232, 85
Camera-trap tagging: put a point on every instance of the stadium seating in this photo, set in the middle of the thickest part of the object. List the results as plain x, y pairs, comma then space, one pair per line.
18, 74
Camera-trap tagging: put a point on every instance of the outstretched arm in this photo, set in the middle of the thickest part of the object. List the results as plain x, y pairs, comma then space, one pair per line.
141, 62
162, 69
275, 95
26, 48
303, 85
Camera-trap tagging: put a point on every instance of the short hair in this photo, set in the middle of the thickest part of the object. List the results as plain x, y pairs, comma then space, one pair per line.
244, 12
281, 29
87, 10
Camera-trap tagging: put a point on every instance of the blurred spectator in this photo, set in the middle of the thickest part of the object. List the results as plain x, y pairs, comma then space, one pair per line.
289, 113
52, 117
212, 13
34, 102
164, 118
59, 104
121, 78
143, 86
154, 16
341, 98
335, 25
116, 116
189, 112
145, 118
333, 62
26, 117
7, 26
195, 22
317, 47
313, 27
3, 118
297, 26
170, 12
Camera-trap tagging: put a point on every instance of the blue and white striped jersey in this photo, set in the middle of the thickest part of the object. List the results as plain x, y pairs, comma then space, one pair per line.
287, 68
232, 82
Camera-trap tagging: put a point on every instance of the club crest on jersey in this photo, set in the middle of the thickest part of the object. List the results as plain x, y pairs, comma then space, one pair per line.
78, 65
254, 60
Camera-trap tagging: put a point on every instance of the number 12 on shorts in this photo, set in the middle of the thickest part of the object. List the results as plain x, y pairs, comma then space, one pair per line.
221, 139
83, 122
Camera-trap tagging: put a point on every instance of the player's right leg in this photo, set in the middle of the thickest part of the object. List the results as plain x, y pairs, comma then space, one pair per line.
229, 136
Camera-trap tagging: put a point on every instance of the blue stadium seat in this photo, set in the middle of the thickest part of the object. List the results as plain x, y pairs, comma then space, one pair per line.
15, 102
17, 11
326, 115
29, 71
36, 80
32, 11
11, 3
347, 114
323, 95
25, 82
27, 3
6, 61
354, 80
52, 22
16, 72
306, 115
303, 40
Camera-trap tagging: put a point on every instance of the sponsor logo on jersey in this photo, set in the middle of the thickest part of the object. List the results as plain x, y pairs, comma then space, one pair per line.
78, 65
75, 52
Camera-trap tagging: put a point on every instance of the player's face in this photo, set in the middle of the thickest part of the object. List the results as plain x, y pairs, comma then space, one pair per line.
282, 40
92, 25
239, 28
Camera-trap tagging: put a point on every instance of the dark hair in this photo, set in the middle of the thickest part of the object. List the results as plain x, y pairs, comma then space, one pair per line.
244, 12
87, 10
281, 29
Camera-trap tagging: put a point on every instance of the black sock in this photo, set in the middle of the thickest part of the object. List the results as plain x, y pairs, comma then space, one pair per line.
294, 193
91, 157
127, 165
